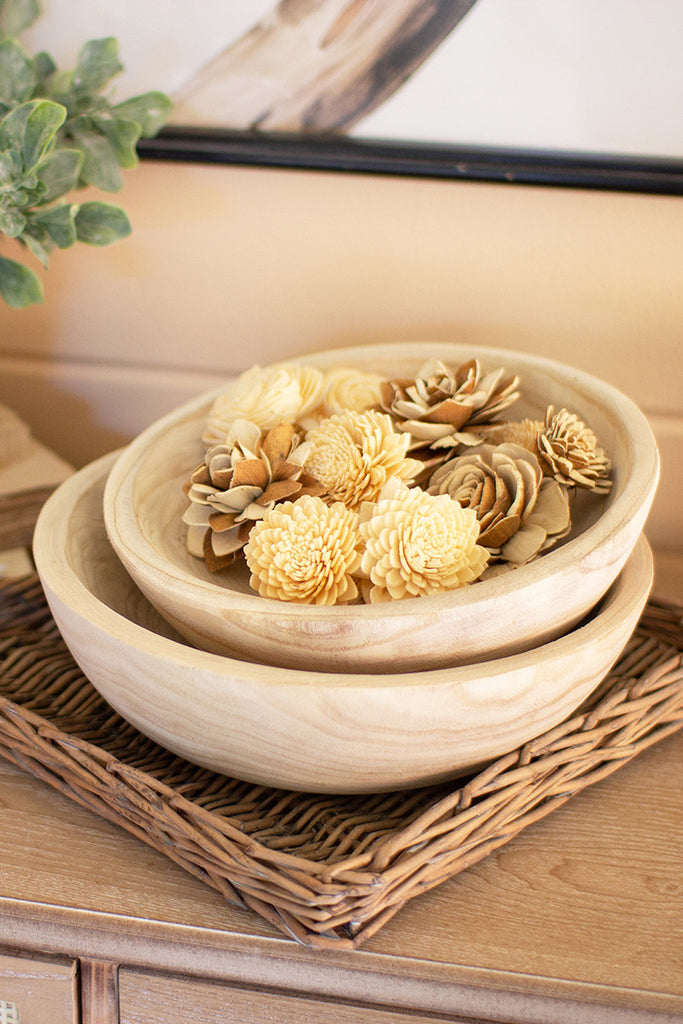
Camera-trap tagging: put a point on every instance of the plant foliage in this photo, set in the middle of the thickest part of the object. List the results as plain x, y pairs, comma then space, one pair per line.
59, 132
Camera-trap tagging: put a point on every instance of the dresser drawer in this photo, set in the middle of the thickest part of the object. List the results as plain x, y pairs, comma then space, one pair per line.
38, 991
156, 999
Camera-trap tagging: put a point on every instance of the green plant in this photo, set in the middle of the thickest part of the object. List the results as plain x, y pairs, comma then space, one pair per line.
59, 132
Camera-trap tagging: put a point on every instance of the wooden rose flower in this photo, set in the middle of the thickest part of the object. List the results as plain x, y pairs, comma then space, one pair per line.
353, 455
437, 406
344, 389
418, 543
520, 512
237, 483
305, 551
265, 397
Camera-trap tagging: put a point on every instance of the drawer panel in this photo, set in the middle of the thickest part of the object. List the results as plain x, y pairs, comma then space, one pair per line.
156, 999
38, 991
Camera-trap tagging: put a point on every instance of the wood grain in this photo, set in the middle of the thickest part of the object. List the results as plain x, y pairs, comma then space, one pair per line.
39, 991
144, 502
577, 919
324, 732
152, 999
317, 66
99, 992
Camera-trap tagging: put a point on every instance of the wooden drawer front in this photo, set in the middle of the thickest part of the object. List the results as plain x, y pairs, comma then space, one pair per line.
37, 991
155, 999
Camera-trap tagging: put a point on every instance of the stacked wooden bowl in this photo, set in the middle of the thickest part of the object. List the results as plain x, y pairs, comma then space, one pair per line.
344, 699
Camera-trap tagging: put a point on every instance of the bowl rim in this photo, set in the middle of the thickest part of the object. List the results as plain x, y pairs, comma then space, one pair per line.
61, 581
635, 493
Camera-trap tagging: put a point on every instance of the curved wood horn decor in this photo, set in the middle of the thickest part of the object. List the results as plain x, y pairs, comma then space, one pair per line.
318, 65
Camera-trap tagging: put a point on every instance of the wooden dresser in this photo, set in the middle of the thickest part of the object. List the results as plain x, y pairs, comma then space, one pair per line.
577, 920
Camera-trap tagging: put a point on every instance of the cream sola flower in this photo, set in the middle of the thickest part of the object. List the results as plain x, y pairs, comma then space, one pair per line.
237, 483
417, 544
345, 389
305, 551
352, 455
266, 397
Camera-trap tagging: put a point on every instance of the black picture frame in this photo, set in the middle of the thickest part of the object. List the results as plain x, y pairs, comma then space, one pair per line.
656, 175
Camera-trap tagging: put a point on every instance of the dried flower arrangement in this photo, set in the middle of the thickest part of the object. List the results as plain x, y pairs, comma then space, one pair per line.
342, 487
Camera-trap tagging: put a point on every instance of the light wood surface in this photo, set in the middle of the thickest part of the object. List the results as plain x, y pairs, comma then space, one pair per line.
144, 503
38, 991
576, 920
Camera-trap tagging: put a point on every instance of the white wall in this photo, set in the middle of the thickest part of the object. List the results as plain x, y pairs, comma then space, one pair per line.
231, 266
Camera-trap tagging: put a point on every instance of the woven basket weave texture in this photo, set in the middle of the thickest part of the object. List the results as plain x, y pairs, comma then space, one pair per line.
326, 870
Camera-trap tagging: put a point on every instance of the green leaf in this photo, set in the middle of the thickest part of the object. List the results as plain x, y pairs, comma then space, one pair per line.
17, 15
100, 166
41, 127
59, 222
59, 173
10, 168
97, 64
17, 74
12, 221
150, 110
122, 136
19, 285
38, 246
31, 128
44, 66
101, 223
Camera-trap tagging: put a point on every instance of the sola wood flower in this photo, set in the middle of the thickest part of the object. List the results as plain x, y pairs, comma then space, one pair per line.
418, 543
353, 454
520, 512
439, 403
569, 451
266, 397
345, 388
305, 551
237, 483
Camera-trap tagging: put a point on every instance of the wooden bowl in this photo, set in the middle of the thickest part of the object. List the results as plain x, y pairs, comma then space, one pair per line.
318, 731
143, 505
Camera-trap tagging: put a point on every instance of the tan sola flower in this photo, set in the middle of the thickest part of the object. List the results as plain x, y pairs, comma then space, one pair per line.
417, 544
353, 454
277, 394
520, 512
237, 483
439, 404
569, 451
305, 551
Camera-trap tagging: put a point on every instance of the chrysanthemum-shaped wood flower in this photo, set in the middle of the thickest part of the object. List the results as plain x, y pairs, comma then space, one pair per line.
267, 397
520, 511
569, 451
441, 407
416, 544
305, 551
237, 483
352, 455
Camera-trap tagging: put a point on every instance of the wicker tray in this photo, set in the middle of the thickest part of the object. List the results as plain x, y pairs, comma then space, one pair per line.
328, 871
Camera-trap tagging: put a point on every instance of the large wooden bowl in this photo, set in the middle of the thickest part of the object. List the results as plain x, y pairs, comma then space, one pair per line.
318, 731
144, 503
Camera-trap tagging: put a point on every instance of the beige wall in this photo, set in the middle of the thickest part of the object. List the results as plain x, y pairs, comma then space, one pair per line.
231, 266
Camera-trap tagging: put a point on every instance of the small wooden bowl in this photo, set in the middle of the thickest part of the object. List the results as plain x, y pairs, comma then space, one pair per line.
143, 505
317, 731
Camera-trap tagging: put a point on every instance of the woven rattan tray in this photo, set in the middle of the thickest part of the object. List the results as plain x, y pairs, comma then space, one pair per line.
325, 870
